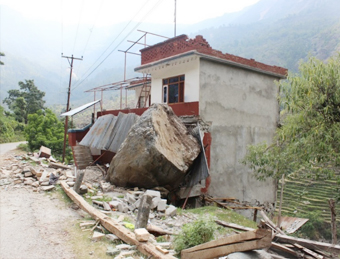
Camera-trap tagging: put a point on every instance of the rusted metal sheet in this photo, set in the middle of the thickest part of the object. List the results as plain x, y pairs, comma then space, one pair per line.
109, 131
291, 224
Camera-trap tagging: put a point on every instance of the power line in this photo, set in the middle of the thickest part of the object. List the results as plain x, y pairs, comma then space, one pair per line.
80, 15
118, 44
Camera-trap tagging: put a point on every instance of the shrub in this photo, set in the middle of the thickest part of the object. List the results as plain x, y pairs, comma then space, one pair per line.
195, 233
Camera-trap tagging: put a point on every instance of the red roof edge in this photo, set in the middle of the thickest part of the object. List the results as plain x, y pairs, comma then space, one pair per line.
182, 43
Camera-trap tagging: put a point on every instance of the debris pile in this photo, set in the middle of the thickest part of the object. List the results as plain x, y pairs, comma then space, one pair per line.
158, 151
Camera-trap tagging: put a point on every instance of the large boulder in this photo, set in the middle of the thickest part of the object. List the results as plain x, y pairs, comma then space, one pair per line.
158, 151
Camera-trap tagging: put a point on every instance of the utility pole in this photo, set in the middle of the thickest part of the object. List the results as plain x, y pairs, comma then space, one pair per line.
68, 98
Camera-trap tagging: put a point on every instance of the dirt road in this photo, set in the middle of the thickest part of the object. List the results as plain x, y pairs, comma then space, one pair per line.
4, 148
33, 225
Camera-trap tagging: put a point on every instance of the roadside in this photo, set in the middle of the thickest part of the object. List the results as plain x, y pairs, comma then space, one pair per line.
33, 225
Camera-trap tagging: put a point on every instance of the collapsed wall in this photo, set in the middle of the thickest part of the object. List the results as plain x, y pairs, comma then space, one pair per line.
158, 151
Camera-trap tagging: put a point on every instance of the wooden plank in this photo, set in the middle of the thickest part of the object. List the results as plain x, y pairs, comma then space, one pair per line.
113, 226
265, 217
309, 252
245, 236
223, 250
308, 243
283, 248
234, 226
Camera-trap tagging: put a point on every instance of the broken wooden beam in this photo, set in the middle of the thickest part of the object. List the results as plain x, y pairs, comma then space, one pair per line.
272, 225
309, 252
234, 226
113, 226
58, 166
308, 243
258, 239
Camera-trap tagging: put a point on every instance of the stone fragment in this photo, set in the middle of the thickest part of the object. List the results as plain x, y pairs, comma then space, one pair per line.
83, 189
28, 181
47, 188
112, 237
153, 193
130, 198
35, 184
112, 251
106, 206
123, 207
142, 234
97, 236
39, 173
70, 183
161, 206
158, 151
17, 181
46, 183
171, 211
63, 177
28, 174
114, 204
43, 176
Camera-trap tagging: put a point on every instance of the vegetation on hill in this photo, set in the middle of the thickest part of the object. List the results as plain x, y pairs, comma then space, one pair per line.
307, 141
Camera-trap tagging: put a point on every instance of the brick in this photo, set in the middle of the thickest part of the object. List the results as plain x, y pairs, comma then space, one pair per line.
142, 235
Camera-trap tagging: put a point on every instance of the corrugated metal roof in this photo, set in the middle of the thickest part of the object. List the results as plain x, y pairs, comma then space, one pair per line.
109, 131
291, 224
79, 109
121, 129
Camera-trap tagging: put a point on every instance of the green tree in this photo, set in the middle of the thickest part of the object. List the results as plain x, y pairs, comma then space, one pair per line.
27, 100
44, 129
2, 55
10, 129
308, 140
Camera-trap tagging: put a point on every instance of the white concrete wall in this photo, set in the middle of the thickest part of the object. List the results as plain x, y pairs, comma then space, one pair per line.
189, 66
242, 108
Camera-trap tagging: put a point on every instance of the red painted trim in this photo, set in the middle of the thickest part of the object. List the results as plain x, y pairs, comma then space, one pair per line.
180, 109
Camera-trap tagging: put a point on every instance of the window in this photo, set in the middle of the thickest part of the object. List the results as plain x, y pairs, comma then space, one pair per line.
173, 89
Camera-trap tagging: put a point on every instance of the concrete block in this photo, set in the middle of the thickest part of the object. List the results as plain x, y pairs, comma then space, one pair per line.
161, 206
28, 174
153, 193
142, 234
46, 183
171, 211
106, 206
44, 152
154, 202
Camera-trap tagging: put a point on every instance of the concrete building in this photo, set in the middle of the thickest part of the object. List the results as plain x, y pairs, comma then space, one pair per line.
237, 98
234, 96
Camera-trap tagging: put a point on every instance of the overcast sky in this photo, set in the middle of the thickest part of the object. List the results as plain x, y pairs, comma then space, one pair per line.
108, 12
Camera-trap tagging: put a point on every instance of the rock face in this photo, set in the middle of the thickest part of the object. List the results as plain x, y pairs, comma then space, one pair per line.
158, 151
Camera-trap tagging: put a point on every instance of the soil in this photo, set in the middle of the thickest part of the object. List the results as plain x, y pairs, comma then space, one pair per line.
33, 225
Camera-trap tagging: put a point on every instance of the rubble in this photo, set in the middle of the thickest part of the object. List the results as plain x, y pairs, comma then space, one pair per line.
158, 149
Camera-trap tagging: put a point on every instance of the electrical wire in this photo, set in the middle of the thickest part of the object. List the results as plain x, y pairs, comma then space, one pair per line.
113, 41
80, 15
119, 42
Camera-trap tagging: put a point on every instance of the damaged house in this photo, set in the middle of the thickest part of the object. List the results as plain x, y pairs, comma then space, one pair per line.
233, 99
